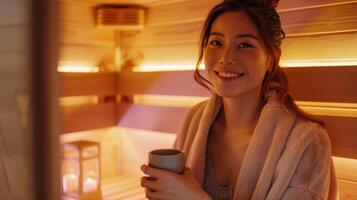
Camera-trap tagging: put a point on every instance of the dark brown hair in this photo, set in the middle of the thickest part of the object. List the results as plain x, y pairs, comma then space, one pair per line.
267, 20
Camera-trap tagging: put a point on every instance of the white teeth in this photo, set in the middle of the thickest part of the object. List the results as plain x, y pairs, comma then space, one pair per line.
228, 74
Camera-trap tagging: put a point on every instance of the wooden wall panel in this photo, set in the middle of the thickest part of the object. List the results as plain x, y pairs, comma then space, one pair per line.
347, 190
195, 11
16, 137
8, 16
77, 14
326, 84
175, 45
329, 19
159, 83
13, 60
84, 84
346, 168
13, 37
329, 26
91, 55
153, 118
327, 47
343, 135
87, 36
81, 42
87, 117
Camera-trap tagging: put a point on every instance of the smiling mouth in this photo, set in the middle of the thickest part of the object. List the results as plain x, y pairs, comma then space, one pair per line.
228, 75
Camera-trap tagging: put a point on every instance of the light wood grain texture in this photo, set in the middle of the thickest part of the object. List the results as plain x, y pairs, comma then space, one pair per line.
164, 83
347, 190
345, 168
76, 14
318, 19
13, 61
171, 44
16, 140
343, 137
13, 37
323, 84
14, 12
88, 54
87, 36
330, 19
84, 84
87, 117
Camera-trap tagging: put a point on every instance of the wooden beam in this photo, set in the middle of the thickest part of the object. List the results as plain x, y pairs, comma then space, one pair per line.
164, 83
84, 84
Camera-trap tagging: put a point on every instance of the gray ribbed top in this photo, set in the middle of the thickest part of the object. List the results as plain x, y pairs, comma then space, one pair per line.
210, 183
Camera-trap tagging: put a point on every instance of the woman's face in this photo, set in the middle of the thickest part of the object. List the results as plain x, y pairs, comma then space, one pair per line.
235, 59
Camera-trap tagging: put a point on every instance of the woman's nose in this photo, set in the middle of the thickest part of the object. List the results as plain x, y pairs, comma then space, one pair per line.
227, 57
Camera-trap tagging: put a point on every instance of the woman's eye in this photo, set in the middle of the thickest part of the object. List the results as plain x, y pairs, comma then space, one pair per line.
215, 43
244, 45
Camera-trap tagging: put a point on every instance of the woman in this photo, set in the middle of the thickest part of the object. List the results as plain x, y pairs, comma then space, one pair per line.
249, 140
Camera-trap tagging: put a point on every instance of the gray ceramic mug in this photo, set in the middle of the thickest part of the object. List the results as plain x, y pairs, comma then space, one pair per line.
168, 159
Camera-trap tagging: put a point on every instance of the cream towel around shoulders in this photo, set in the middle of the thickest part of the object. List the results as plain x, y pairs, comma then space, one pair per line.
287, 157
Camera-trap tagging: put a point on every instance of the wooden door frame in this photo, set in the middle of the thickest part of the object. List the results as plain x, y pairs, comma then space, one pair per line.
45, 18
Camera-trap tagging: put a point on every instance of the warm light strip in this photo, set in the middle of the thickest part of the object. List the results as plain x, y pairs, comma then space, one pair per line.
78, 69
345, 168
315, 108
283, 63
329, 108
168, 100
319, 63
166, 67
78, 100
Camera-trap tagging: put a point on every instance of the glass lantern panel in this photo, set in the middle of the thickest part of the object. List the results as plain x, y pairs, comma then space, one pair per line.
70, 175
90, 151
91, 176
70, 151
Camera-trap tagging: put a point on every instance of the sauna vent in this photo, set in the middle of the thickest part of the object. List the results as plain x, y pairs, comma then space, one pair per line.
124, 18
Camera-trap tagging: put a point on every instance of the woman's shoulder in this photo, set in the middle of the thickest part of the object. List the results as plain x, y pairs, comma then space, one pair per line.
196, 110
190, 124
308, 132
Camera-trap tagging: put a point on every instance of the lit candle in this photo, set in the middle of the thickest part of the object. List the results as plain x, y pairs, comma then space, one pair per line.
90, 184
70, 182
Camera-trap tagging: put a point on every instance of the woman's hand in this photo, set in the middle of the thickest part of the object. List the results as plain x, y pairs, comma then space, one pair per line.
167, 185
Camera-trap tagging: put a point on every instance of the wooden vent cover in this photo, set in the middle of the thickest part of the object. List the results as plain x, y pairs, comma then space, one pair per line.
120, 18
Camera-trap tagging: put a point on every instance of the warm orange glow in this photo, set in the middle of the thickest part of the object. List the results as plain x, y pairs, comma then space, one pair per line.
329, 108
167, 100
283, 63
316, 108
346, 168
318, 63
78, 69
167, 67
79, 100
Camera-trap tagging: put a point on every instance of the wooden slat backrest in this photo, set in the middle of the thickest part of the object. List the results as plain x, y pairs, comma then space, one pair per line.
80, 117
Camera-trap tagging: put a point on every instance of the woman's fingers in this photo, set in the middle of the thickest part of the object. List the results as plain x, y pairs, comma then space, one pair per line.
152, 195
153, 172
149, 183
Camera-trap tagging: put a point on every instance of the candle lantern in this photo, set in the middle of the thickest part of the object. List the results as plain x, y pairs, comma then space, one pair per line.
81, 170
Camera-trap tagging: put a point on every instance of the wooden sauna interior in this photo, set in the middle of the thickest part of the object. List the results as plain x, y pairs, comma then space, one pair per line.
135, 93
